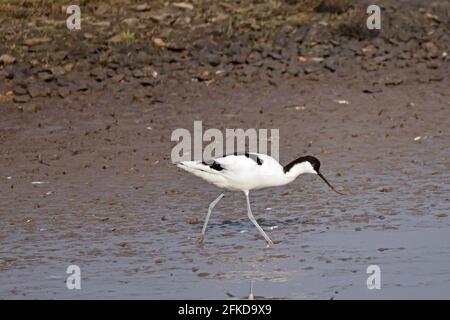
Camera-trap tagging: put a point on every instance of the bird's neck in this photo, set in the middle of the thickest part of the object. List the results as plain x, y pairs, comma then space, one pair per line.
293, 172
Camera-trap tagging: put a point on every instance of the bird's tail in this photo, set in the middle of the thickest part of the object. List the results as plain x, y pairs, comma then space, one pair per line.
194, 166
202, 170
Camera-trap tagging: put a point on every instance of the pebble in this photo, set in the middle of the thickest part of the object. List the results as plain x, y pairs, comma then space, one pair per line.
22, 98
64, 92
6, 59
37, 90
213, 60
45, 76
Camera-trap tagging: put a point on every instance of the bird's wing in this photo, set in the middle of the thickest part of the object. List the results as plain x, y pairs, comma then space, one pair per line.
240, 162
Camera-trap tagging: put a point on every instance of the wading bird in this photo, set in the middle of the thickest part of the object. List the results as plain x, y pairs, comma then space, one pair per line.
250, 171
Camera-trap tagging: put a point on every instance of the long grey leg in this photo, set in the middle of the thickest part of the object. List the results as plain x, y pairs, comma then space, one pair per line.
211, 206
252, 219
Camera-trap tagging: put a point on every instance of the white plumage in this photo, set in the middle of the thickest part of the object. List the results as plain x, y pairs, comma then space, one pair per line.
249, 171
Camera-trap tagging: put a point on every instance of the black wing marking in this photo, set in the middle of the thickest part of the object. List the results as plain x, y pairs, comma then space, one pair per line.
214, 165
252, 156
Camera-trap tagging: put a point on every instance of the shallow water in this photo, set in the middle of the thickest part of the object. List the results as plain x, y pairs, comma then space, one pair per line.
128, 228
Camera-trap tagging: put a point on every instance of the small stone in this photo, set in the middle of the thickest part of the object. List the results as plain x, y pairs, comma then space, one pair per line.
60, 55
19, 90
68, 67
116, 39
22, 98
393, 81
37, 90
130, 22
6, 59
64, 92
142, 57
159, 43
45, 75
142, 7
62, 82
137, 73
311, 68
29, 108
213, 59
35, 41
148, 81
430, 47
369, 66
193, 220
82, 86
183, 5
373, 89
331, 65
293, 69
98, 74
404, 36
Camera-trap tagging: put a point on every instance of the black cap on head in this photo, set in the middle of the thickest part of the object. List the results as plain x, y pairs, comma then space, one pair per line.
315, 163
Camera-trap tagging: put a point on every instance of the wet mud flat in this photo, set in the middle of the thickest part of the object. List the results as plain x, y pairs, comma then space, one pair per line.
107, 198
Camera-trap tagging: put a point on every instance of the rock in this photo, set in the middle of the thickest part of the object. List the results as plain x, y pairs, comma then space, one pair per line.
137, 73
275, 55
293, 68
116, 39
68, 67
7, 59
254, 57
311, 67
82, 86
431, 48
35, 41
22, 98
45, 75
150, 72
331, 65
373, 89
436, 77
64, 92
213, 60
142, 7
98, 74
29, 108
433, 65
101, 24
159, 43
183, 5
239, 58
102, 9
19, 90
7, 74
97, 85
130, 22
62, 82
58, 71
148, 82
110, 73
369, 66
403, 36
60, 55
37, 90
142, 57
393, 81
